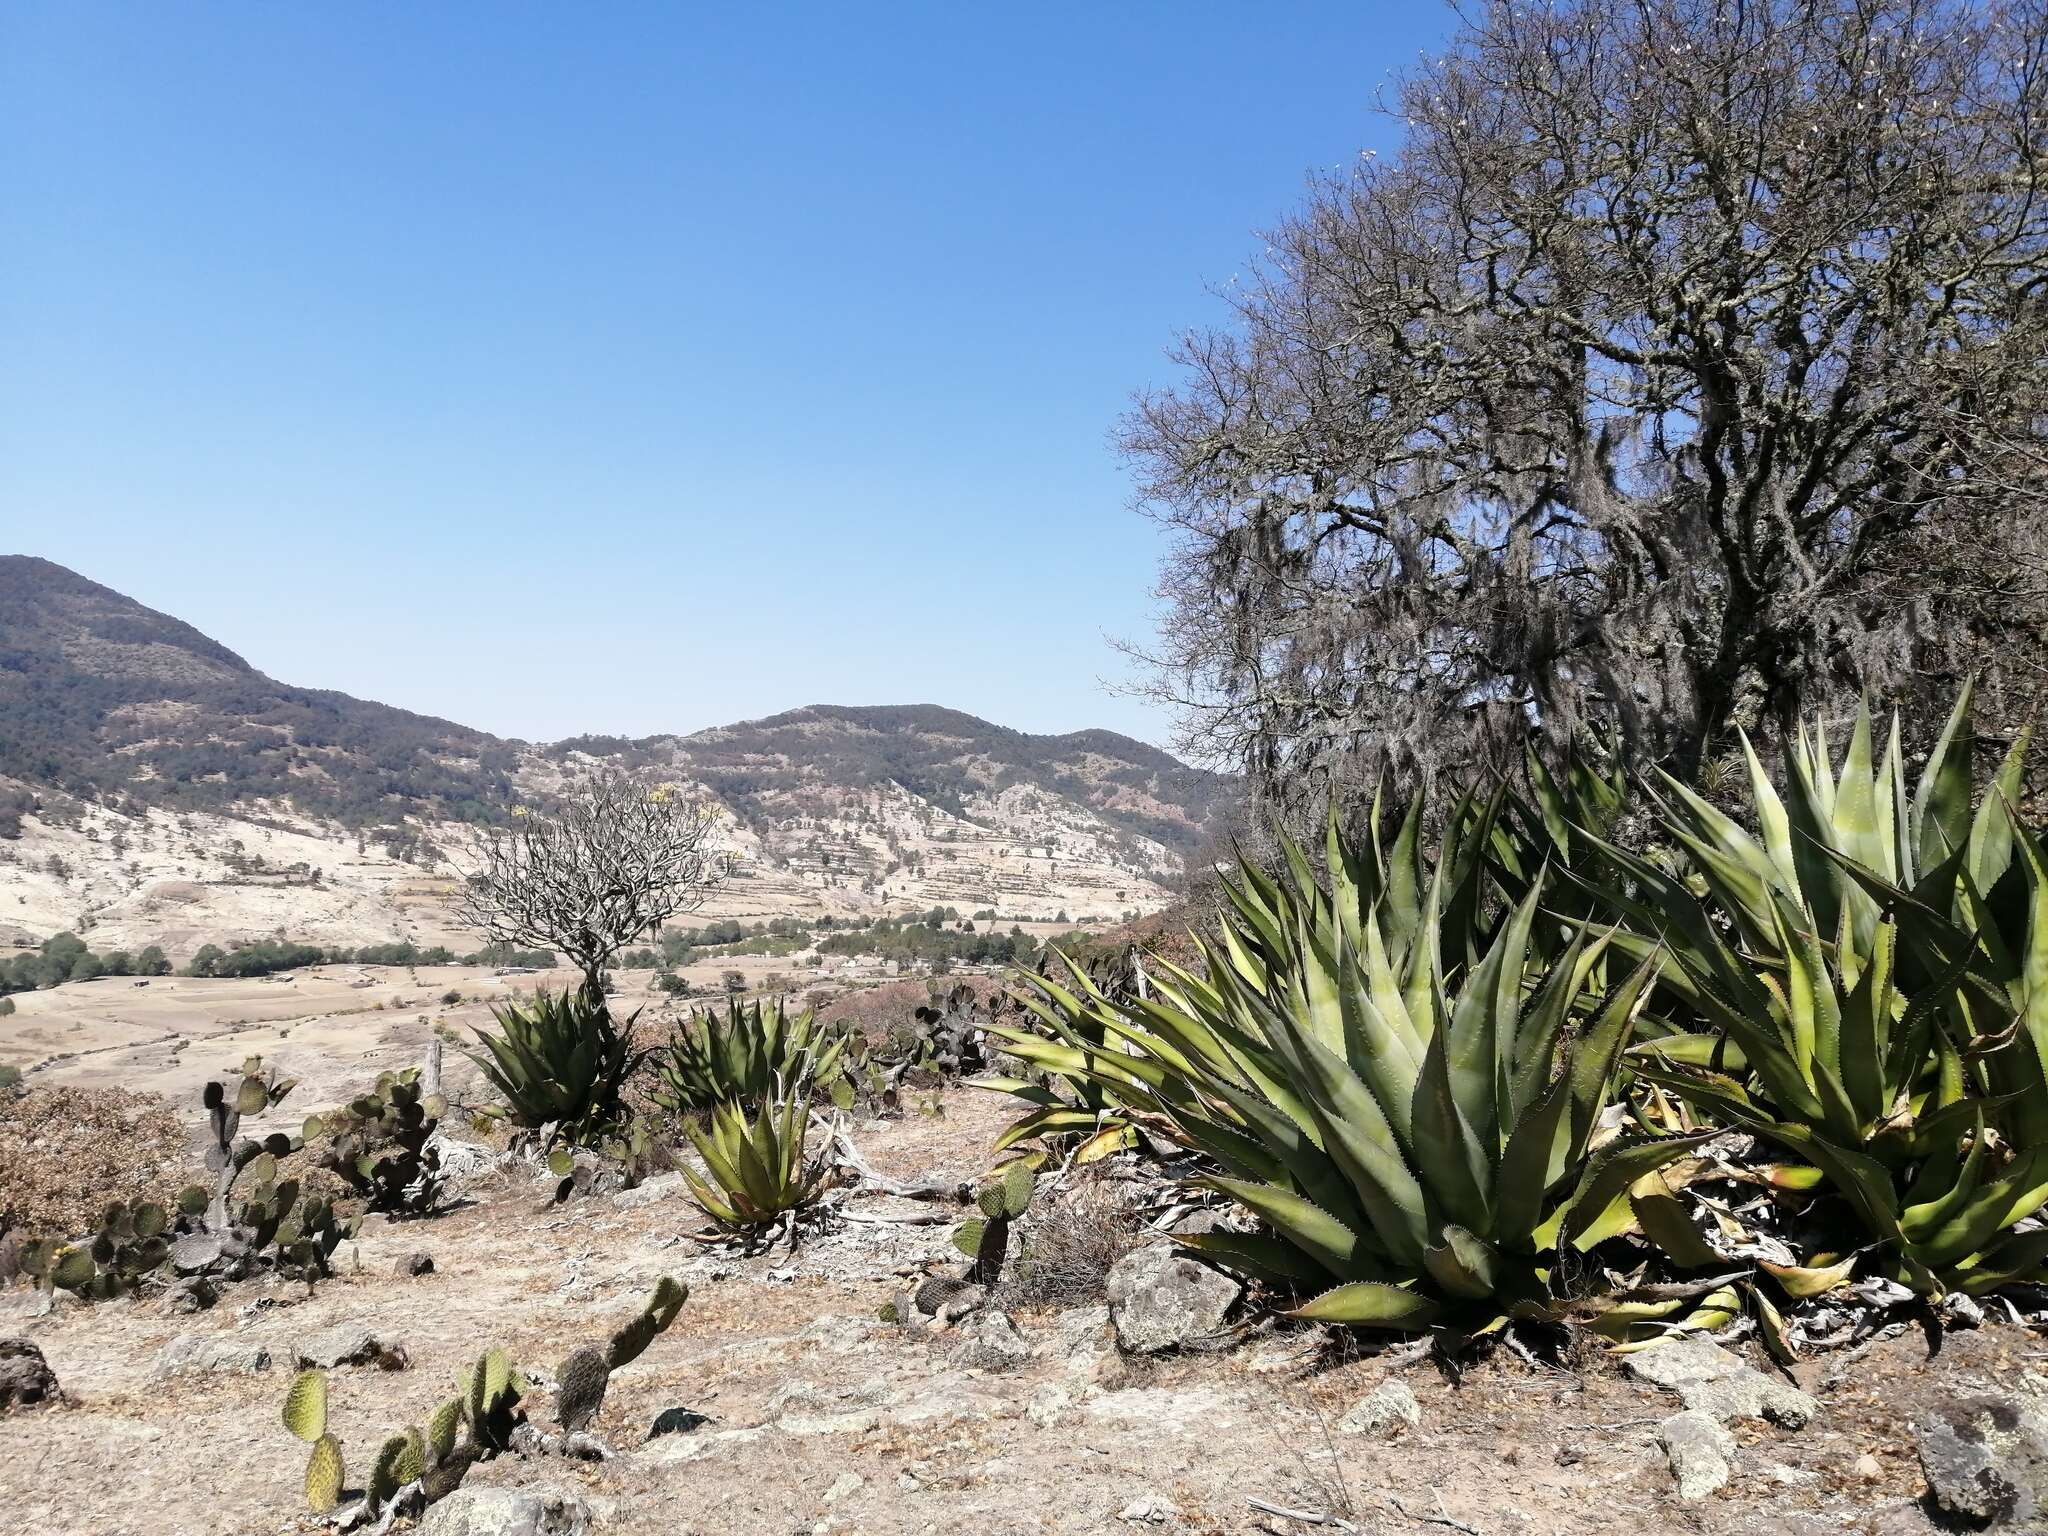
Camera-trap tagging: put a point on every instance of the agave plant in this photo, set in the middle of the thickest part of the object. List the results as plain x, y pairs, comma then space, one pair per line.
1423, 1132
562, 1061
743, 1057
759, 1171
1866, 981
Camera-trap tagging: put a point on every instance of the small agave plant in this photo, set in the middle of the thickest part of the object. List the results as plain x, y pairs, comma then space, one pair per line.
758, 1171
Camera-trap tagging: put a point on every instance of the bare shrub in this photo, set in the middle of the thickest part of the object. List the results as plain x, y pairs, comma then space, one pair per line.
66, 1154
1066, 1248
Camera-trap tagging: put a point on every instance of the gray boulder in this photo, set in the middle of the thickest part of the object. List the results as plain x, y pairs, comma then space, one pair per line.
1160, 1299
990, 1342
1706, 1377
507, 1512
1700, 1451
347, 1344
1384, 1412
209, 1354
1986, 1459
26, 1380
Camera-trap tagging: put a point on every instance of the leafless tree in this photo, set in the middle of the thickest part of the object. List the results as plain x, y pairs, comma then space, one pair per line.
1680, 374
611, 862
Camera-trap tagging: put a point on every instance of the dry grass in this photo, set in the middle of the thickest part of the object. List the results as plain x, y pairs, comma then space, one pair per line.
67, 1153
1066, 1249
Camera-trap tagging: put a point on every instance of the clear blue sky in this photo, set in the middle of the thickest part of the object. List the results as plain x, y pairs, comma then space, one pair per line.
637, 368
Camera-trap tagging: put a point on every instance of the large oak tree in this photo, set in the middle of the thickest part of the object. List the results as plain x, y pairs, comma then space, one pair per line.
1682, 372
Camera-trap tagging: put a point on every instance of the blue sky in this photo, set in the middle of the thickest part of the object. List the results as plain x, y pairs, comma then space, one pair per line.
632, 368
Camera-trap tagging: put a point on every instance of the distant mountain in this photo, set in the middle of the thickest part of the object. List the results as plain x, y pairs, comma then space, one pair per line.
104, 697
799, 761
114, 704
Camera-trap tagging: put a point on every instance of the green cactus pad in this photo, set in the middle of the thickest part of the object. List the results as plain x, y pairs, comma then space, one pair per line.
667, 1300
412, 1461
251, 1098
1018, 1185
73, 1269
442, 1424
990, 1198
305, 1405
323, 1475
384, 1478
967, 1236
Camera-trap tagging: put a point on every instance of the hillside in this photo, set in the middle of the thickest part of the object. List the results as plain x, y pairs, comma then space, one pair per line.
156, 785
106, 698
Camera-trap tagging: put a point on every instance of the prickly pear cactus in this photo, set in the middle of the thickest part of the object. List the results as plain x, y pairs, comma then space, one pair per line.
580, 1384
632, 1340
379, 1144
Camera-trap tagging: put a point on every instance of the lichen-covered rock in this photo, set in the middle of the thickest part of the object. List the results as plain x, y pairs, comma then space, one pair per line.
662, 1186
991, 1342
1707, 1377
208, 1354
26, 1380
415, 1264
1986, 1458
194, 1293
1384, 1412
1160, 1299
1700, 1451
347, 1344
507, 1512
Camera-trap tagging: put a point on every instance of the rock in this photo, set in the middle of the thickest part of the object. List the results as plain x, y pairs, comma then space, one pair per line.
506, 1512
1161, 1299
1149, 1509
1707, 1377
348, 1344
1986, 1459
653, 1191
1699, 1451
194, 1293
675, 1421
197, 1251
1384, 1412
211, 1354
26, 1380
677, 1448
846, 1484
1048, 1405
415, 1264
991, 1342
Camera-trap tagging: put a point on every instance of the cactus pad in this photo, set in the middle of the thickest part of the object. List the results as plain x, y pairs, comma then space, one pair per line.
442, 1424
323, 1475
1018, 1184
582, 1380
305, 1406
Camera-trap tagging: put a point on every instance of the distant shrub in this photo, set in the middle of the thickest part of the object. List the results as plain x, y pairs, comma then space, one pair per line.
450, 998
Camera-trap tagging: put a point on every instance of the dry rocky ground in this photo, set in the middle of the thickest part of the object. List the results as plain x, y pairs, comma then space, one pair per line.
803, 1412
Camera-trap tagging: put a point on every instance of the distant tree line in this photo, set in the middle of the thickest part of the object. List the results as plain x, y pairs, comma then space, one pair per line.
66, 957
